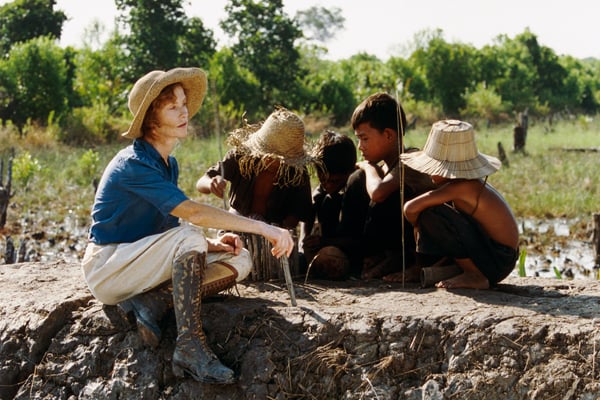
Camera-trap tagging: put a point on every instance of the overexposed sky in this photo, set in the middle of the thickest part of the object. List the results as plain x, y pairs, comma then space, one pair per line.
384, 27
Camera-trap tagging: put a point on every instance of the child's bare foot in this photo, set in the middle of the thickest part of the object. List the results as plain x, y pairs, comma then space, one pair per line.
412, 274
371, 267
465, 280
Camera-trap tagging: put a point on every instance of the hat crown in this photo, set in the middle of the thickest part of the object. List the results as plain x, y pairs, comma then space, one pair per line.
282, 134
141, 89
451, 140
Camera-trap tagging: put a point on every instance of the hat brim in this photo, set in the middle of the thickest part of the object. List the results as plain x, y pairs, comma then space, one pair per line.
478, 167
194, 83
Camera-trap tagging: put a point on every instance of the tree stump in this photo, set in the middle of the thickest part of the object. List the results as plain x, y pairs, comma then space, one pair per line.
520, 132
519, 139
502, 155
5, 190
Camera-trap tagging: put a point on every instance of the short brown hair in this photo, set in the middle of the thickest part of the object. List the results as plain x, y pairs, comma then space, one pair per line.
381, 111
150, 119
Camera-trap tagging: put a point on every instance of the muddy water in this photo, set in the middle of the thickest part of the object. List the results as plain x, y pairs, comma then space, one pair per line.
558, 248
554, 247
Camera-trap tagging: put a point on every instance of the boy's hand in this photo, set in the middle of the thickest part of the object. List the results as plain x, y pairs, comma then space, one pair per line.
366, 165
228, 242
218, 186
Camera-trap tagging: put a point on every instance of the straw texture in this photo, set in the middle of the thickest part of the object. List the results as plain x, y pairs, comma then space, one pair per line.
280, 137
451, 152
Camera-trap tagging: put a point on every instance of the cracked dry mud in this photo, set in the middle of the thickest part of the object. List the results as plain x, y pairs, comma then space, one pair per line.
530, 338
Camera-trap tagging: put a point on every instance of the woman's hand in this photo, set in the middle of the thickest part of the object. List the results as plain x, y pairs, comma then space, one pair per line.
280, 239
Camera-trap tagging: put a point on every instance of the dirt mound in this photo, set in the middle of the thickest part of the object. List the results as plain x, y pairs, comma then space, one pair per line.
528, 339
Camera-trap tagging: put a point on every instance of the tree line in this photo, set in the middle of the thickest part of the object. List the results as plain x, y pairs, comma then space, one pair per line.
273, 59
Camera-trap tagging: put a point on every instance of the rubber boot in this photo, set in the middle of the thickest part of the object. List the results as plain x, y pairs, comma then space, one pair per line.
148, 309
192, 355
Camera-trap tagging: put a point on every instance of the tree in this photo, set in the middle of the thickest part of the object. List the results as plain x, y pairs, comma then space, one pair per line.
155, 27
505, 67
197, 45
368, 75
237, 89
23, 20
549, 85
320, 22
326, 88
34, 77
483, 103
265, 44
449, 71
100, 76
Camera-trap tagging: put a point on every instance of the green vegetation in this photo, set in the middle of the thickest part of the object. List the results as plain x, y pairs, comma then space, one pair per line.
273, 59
521, 263
62, 109
555, 177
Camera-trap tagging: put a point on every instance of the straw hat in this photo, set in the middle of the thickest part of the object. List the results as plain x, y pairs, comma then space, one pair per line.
451, 152
280, 137
148, 87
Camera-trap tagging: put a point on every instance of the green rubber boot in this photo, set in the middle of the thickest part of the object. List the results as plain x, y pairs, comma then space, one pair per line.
192, 355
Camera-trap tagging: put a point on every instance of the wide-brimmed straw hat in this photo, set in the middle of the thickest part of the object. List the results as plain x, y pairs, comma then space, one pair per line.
148, 87
281, 136
451, 152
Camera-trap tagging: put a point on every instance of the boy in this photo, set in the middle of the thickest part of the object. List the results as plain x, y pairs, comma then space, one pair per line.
373, 196
267, 169
464, 218
323, 243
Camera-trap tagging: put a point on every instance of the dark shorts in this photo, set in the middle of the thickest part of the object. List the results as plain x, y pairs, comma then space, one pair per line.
444, 231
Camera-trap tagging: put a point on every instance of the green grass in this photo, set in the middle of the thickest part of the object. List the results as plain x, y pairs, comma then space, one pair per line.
545, 182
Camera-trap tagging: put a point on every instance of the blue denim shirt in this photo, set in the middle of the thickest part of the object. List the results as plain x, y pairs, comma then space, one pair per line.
137, 192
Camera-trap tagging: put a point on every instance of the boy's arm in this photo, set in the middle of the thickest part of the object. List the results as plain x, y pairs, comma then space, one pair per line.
441, 195
379, 188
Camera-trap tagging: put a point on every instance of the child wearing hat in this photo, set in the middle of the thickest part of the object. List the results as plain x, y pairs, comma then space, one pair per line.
464, 218
267, 171
140, 256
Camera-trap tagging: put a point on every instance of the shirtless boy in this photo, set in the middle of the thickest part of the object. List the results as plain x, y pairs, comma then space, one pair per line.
464, 218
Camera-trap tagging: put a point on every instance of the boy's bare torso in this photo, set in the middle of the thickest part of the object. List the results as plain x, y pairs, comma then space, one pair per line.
473, 197
488, 207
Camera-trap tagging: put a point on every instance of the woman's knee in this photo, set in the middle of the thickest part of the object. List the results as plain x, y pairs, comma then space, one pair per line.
190, 238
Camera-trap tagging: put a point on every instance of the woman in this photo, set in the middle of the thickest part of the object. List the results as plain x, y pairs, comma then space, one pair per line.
137, 243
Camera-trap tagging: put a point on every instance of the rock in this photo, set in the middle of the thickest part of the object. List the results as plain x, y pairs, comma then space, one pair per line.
530, 338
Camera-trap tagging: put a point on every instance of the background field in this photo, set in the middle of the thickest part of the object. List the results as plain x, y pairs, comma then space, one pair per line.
554, 181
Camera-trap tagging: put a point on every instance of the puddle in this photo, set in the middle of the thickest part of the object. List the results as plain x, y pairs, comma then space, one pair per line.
559, 247
553, 247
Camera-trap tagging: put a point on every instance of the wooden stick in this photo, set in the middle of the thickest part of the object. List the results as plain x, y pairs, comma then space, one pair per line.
288, 279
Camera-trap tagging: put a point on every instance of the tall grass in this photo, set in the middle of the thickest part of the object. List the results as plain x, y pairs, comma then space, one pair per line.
545, 182
556, 176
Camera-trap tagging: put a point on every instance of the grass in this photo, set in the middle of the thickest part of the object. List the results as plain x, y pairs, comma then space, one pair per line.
545, 182
551, 179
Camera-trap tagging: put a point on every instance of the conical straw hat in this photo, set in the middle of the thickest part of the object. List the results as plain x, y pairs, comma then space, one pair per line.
451, 152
